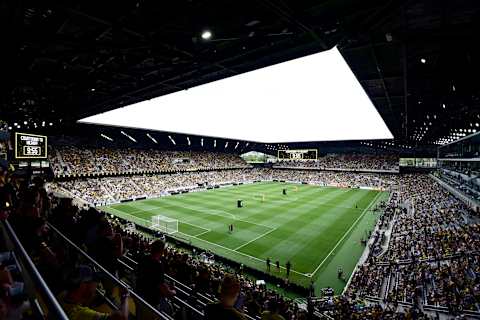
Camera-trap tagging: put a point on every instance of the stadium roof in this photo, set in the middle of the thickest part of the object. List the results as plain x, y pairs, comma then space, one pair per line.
313, 98
64, 61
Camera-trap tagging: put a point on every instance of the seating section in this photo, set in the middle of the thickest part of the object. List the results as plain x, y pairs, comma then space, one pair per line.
84, 161
347, 162
115, 189
465, 181
432, 257
422, 257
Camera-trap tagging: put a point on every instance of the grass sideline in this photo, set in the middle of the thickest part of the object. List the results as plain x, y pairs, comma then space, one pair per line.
316, 228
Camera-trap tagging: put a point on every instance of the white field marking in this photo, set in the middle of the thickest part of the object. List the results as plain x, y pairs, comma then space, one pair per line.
218, 245
181, 221
198, 235
252, 257
243, 254
226, 212
345, 234
213, 212
255, 239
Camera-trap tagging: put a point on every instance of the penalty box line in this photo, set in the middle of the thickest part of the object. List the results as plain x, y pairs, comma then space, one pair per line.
143, 219
218, 245
212, 212
345, 234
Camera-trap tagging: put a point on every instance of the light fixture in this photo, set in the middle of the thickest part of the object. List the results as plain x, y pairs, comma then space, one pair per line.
188, 141
201, 142
173, 141
25, 122
152, 138
423, 60
206, 35
128, 136
215, 143
106, 137
50, 124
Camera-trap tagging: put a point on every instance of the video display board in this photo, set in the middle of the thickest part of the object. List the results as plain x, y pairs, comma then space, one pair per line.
30, 146
297, 154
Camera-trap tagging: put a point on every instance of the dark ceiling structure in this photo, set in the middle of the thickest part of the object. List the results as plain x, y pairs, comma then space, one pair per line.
417, 60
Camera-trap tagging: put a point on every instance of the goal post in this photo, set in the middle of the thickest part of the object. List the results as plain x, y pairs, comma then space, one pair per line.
164, 224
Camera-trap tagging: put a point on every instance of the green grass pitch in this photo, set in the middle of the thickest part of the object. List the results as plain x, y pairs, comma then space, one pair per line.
316, 228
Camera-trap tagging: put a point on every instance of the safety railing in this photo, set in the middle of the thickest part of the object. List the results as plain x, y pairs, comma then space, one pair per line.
43, 303
142, 308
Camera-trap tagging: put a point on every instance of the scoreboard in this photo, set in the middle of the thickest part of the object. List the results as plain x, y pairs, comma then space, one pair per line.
30, 146
297, 154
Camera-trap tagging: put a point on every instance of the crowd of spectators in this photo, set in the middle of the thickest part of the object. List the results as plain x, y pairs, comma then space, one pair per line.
431, 257
107, 239
76, 161
115, 189
347, 162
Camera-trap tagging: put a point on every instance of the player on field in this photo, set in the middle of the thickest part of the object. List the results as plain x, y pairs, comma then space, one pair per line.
340, 272
268, 264
277, 264
288, 265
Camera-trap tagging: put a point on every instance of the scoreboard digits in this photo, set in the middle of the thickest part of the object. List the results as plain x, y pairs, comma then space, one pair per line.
30, 146
299, 154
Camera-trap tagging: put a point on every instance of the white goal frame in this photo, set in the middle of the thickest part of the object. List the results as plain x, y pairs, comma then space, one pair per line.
164, 224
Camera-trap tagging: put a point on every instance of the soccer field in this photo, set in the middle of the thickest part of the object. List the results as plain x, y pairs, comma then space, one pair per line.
315, 228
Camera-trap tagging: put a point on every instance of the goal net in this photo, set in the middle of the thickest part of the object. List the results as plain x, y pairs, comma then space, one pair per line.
164, 224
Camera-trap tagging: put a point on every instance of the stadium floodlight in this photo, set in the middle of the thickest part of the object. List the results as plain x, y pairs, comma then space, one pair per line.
206, 35
188, 141
152, 138
226, 145
313, 98
214, 143
201, 142
128, 136
106, 137
173, 141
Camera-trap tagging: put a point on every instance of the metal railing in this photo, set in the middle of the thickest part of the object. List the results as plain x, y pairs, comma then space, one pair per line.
143, 308
36, 288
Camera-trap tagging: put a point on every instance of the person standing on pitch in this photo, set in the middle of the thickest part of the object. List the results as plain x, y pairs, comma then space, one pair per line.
311, 289
340, 272
288, 266
268, 264
277, 264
